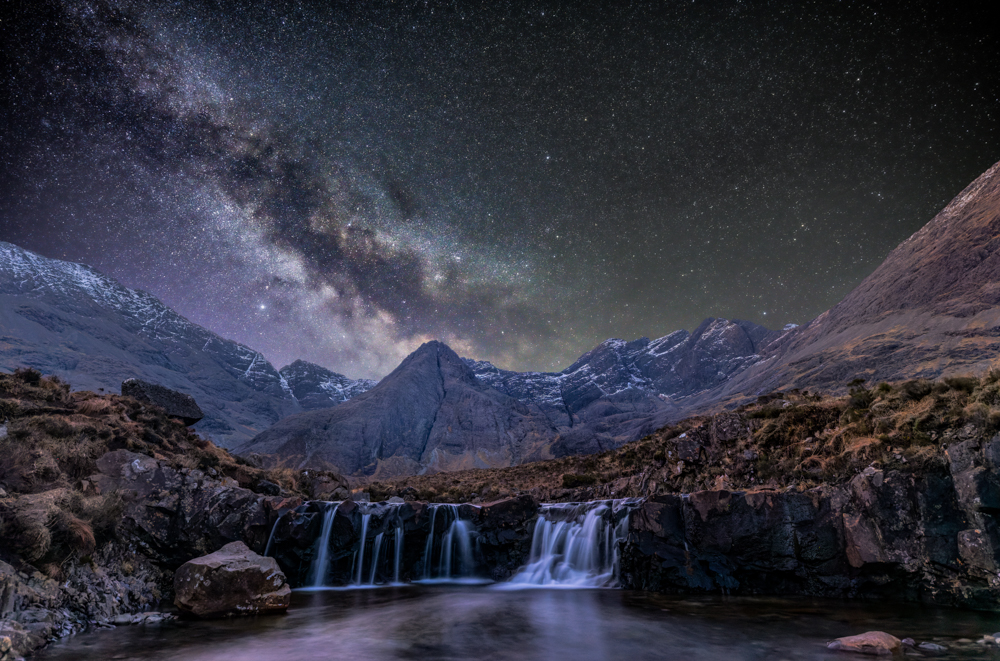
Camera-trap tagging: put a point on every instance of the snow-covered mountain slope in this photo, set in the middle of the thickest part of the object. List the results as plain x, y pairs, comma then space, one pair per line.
68, 319
650, 374
316, 387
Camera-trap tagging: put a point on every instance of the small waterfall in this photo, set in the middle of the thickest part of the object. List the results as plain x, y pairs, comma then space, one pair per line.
361, 553
378, 552
270, 538
457, 536
399, 554
317, 571
429, 547
576, 544
455, 557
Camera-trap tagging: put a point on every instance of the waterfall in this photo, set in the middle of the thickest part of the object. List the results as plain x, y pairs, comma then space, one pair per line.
457, 536
378, 551
399, 554
429, 547
576, 544
270, 538
361, 553
455, 558
317, 571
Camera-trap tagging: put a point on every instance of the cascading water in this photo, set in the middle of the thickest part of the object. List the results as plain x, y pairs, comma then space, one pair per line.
361, 553
317, 571
399, 554
576, 545
429, 546
455, 560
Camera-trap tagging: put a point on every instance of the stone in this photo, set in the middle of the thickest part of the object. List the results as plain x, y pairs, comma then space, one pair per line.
932, 647
232, 581
874, 643
176, 404
268, 488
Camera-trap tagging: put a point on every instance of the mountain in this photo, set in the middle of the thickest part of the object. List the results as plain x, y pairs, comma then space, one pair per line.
437, 411
431, 412
315, 387
931, 309
70, 320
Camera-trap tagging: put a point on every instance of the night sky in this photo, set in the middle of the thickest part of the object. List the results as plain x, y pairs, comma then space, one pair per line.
342, 181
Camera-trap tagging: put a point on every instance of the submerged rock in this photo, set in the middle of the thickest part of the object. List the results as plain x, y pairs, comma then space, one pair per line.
232, 581
875, 643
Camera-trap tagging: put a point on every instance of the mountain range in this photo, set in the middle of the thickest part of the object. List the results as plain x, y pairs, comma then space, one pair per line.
931, 309
69, 320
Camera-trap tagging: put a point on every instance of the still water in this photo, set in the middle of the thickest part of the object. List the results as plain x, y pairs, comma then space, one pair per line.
488, 624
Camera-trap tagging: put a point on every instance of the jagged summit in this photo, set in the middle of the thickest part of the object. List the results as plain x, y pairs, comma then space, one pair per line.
437, 411
430, 413
315, 387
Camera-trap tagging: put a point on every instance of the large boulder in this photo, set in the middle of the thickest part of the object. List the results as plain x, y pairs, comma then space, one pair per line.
176, 404
232, 581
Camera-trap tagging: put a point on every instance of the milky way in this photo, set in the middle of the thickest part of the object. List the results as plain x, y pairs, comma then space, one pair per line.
340, 182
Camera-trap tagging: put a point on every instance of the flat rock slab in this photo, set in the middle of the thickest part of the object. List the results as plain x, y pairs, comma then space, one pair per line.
232, 581
874, 643
176, 404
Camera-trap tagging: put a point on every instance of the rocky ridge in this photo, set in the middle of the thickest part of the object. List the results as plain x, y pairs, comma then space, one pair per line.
438, 412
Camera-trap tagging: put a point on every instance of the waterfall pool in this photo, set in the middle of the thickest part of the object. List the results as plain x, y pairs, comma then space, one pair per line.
484, 623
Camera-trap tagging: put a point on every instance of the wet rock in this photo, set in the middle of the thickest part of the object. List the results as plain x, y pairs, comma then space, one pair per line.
232, 581
874, 643
933, 648
176, 404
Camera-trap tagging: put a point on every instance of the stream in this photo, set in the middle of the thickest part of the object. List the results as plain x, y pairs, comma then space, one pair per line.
456, 622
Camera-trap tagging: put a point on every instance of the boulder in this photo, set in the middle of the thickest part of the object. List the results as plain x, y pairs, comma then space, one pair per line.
874, 643
176, 404
232, 581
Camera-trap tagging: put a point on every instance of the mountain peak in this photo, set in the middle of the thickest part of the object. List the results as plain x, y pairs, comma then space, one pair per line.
951, 266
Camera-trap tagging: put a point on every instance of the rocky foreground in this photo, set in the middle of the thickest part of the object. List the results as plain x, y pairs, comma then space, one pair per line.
102, 498
890, 493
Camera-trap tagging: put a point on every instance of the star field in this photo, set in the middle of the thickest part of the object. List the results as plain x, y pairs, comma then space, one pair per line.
342, 181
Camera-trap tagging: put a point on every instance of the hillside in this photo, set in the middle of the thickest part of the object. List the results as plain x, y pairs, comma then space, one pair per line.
69, 320
791, 440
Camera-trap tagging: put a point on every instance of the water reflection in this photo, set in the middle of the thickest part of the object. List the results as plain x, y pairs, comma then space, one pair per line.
456, 623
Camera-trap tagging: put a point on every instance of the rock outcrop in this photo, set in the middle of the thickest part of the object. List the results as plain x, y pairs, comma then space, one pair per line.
885, 535
232, 581
176, 404
175, 515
